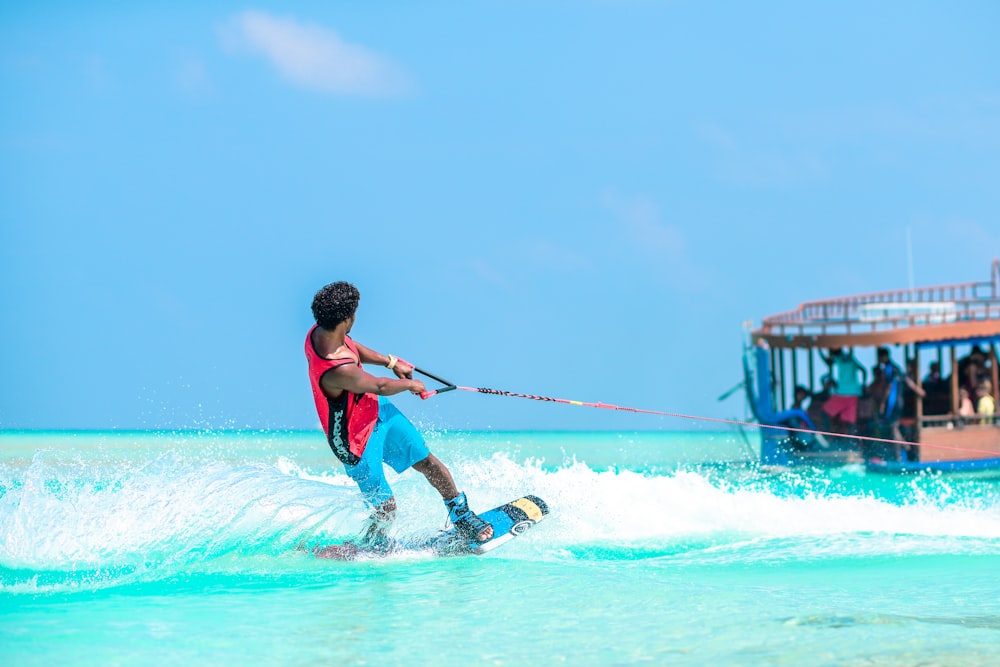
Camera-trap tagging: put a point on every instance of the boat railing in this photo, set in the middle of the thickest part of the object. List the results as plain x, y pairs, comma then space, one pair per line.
952, 421
894, 309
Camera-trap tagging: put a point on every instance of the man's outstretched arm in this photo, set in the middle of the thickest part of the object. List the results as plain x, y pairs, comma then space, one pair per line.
355, 380
402, 369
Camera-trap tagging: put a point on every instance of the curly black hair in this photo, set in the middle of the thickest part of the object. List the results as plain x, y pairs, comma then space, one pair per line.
335, 303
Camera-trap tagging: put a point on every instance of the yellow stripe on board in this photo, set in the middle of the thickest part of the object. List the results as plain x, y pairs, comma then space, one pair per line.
529, 508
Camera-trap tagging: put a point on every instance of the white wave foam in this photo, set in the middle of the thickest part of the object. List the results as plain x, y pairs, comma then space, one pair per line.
165, 511
608, 505
60, 517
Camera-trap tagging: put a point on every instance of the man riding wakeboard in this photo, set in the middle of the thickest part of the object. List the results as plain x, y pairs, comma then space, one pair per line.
363, 428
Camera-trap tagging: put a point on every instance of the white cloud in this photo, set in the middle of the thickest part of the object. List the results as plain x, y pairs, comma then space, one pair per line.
662, 246
556, 257
192, 75
640, 218
97, 72
770, 167
313, 57
969, 121
484, 271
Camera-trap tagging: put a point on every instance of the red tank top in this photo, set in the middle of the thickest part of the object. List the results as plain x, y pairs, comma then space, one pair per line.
349, 419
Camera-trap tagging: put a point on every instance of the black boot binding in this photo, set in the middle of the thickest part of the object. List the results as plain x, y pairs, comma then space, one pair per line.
466, 522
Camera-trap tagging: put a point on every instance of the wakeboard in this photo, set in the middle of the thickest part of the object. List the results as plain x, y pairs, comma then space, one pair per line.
509, 520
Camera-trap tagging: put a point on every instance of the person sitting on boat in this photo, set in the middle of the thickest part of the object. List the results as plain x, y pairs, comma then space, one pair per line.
763, 408
985, 406
975, 356
972, 370
938, 401
801, 395
819, 399
966, 408
933, 377
850, 378
972, 378
822, 396
799, 418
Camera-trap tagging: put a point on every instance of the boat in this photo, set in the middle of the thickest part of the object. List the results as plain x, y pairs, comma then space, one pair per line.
818, 403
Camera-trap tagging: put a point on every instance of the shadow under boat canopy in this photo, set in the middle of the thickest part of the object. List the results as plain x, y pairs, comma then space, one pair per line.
929, 323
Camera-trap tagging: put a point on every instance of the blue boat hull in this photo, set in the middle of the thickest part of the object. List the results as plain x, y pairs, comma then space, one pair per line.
983, 466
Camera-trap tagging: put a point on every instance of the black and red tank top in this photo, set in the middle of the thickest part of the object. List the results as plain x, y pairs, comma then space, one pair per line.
349, 419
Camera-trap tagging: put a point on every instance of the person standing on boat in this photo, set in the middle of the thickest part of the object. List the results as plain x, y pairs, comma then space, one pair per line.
850, 378
362, 427
890, 397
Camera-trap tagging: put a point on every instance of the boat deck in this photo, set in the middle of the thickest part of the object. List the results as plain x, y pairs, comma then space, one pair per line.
960, 311
942, 318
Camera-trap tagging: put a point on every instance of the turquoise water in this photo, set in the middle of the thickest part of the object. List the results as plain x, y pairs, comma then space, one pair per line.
662, 548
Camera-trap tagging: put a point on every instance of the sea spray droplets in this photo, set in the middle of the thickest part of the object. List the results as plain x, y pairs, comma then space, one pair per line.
169, 513
163, 512
800, 516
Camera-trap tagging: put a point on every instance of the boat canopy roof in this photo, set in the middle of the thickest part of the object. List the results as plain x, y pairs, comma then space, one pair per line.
925, 316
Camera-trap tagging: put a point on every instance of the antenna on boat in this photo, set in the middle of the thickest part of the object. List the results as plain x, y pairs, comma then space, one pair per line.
909, 258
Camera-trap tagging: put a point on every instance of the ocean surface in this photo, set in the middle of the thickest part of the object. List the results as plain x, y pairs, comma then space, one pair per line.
663, 548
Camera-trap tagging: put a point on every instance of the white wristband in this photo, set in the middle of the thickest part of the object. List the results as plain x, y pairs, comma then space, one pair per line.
392, 362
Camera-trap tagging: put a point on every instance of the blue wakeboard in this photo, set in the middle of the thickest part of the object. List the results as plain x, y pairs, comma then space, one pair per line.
509, 521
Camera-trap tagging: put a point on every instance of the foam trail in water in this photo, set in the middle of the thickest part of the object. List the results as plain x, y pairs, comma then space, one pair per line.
627, 507
170, 513
164, 511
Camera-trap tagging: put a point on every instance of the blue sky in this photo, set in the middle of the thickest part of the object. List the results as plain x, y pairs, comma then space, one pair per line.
577, 199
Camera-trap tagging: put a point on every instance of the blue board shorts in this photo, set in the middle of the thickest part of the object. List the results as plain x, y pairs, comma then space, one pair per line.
394, 441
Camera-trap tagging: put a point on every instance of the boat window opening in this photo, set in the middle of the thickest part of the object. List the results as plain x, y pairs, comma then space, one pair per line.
931, 410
